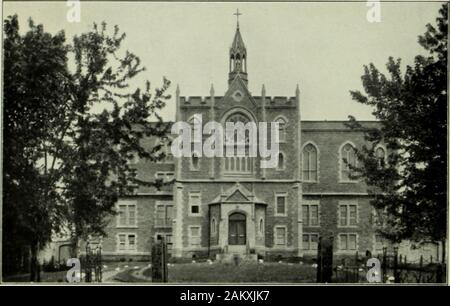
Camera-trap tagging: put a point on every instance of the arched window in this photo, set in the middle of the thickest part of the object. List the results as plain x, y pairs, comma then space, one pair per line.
348, 158
196, 127
261, 226
195, 162
380, 155
165, 151
280, 161
281, 128
309, 164
238, 165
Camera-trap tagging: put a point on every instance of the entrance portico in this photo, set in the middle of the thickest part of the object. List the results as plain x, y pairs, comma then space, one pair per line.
237, 220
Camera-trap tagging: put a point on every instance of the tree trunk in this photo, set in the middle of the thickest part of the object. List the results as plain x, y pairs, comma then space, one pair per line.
75, 252
34, 263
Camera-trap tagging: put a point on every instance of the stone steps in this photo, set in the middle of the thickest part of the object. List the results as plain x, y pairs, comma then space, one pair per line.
236, 258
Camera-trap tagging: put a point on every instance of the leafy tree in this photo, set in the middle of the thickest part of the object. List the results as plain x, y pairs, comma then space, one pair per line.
410, 185
35, 73
64, 164
97, 147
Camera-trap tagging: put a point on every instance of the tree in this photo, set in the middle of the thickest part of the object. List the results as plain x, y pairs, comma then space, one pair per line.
35, 73
410, 185
97, 147
65, 165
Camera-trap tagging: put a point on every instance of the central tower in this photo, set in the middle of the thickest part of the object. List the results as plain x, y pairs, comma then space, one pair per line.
238, 56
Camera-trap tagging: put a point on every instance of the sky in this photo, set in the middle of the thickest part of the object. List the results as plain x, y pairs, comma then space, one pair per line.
320, 46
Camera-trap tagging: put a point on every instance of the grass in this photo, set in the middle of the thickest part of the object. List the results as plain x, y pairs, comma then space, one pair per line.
53, 277
202, 273
60, 276
244, 273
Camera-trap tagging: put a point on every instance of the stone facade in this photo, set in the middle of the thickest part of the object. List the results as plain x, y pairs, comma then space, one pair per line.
216, 206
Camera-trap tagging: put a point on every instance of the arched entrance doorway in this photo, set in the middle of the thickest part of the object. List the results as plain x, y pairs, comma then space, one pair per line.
237, 229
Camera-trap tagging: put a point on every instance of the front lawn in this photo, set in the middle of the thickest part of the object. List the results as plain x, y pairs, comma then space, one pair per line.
248, 273
60, 276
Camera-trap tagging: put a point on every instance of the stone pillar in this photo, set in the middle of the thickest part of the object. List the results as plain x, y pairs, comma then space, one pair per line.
213, 117
178, 117
251, 227
223, 227
177, 228
263, 115
299, 177
298, 220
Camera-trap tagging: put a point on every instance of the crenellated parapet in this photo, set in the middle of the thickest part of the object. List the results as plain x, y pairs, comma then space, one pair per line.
207, 101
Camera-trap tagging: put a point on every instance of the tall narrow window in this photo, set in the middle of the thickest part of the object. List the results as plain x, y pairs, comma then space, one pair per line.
381, 157
280, 161
310, 242
348, 242
280, 203
213, 226
194, 204
194, 235
280, 235
196, 128
348, 160
348, 214
310, 213
164, 153
127, 216
309, 164
281, 128
379, 242
164, 214
238, 165
195, 162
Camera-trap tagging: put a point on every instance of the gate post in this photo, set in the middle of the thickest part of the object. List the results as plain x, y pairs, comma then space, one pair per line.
159, 260
325, 260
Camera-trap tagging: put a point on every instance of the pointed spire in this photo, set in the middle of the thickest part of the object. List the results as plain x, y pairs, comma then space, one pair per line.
211, 91
263, 90
297, 90
177, 101
238, 46
238, 56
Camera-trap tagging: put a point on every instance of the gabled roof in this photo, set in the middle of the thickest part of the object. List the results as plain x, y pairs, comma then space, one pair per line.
237, 193
237, 81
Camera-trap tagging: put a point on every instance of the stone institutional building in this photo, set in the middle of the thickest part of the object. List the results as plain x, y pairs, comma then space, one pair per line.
218, 207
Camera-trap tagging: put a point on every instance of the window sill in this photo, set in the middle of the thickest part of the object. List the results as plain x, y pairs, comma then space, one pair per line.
127, 226
163, 226
346, 252
349, 182
279, 246
310, 252
348, 226
237, 174
129, 252
280, 215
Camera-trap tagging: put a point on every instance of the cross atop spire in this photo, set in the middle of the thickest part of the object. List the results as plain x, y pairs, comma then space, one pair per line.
237, 16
